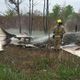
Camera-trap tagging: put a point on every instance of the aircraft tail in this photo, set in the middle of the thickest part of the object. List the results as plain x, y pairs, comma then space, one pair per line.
8, 35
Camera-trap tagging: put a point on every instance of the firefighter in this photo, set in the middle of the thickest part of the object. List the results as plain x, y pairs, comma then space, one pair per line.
58, 32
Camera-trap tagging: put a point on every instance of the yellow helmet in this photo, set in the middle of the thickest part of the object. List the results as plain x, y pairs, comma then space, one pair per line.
59, 21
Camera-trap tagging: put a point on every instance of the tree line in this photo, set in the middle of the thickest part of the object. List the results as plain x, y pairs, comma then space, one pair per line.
62, 12
66, 13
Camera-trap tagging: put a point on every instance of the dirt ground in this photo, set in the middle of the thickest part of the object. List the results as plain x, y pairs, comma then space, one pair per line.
27, 59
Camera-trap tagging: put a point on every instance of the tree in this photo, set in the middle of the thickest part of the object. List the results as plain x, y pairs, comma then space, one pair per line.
16, 3
56, 11
10, 13
72, 22
62, 12
67, 12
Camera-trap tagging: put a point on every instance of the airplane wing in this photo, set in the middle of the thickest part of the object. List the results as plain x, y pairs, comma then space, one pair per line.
8, 35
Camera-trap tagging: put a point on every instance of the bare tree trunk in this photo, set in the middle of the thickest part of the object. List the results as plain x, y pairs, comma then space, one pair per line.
47, 14
44, 16
29, 17
19, 17
17, 9
32, 17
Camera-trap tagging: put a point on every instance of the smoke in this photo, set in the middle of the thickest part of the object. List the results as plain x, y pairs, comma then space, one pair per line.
66, 25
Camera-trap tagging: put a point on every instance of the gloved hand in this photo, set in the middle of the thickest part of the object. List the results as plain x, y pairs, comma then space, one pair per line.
53, 36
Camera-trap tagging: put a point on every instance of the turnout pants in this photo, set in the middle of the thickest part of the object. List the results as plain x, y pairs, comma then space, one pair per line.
57, 42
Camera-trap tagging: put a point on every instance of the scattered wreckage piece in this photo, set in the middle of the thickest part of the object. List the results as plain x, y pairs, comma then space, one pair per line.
72, 48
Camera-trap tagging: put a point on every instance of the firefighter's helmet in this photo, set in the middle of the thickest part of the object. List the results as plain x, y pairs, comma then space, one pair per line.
59, 21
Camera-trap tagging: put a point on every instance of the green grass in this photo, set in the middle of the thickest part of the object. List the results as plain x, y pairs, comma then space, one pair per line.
69, 73
7, 73
41, 71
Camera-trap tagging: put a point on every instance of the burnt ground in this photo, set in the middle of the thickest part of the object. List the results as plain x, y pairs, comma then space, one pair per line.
31, 60
24, 58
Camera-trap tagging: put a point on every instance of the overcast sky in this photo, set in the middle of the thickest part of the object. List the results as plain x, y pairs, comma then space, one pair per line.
39, 6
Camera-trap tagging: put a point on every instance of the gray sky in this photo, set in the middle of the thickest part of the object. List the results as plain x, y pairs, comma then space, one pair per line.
39, 6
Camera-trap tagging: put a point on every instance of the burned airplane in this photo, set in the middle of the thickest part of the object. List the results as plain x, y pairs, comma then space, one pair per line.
5, 38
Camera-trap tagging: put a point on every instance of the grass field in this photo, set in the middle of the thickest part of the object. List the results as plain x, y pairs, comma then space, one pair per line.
38, 64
